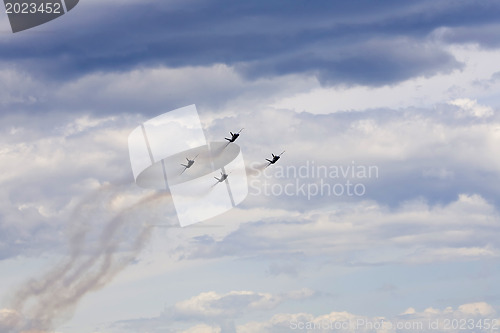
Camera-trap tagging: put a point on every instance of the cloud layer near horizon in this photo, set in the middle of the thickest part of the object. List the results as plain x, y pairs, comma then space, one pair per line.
221, 311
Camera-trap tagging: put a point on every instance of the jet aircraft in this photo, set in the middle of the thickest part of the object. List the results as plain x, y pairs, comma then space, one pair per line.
234, 136
223, 177
189, 164
275, 158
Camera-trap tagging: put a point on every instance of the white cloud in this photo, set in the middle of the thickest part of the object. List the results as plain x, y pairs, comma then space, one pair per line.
416, 92
477, 309
85, 123
234, 303
472, 108
214, 312
415, 232
9, 320
233, 311
202, 328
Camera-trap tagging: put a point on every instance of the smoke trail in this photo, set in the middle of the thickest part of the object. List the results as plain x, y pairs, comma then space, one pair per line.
92, 263
256, 169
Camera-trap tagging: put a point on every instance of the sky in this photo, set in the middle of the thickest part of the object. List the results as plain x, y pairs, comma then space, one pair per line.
382, 215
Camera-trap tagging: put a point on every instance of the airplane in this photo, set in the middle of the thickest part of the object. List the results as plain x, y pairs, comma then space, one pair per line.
189, 163
275, 158
234, 136
223, 177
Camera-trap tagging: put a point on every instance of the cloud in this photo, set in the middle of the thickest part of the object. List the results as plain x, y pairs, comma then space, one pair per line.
408, 146
212, 307
482, 34
333, 41
203, 329
145, 91
487, 83
44, 174
443, 155
411, 320
374, 62
9, 320
211, 304
366, 233
232, 304
446, 211
474, 81
472, 108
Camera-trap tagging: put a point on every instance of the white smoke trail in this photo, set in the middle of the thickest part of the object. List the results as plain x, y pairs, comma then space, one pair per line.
91, 264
